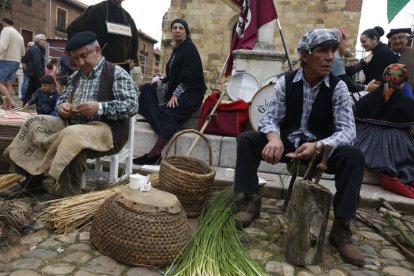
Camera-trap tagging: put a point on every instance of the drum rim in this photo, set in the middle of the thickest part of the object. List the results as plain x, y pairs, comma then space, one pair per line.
263, 84
232, 77
250, 105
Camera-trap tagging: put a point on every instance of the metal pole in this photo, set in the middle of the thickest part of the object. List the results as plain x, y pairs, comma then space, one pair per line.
284, 45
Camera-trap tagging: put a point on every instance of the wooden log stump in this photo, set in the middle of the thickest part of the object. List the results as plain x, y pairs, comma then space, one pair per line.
308, 214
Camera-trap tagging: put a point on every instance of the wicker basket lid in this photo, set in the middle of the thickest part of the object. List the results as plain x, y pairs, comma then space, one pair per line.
153, 201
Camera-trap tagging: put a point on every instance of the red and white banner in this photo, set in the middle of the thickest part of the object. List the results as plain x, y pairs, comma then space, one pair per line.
253, 15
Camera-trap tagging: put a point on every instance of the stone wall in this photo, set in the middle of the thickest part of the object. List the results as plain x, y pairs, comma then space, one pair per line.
211, 23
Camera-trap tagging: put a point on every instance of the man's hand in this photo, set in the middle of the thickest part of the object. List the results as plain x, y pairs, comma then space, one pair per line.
65, 110
9, 103
305, 151
173, 102
273, 150
26, 106
88, 108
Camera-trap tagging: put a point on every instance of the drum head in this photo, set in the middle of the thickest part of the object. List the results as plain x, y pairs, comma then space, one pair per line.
270, 80
242, 86
258, 106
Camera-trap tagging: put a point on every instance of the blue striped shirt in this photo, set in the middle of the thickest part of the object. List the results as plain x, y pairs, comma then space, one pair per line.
124, 105
342, 112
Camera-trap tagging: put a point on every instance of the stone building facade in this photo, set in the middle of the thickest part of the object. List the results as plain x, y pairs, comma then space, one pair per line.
46, 17
212, 21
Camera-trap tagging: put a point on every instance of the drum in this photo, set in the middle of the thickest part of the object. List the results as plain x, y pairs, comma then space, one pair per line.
270, 80
242, 86
258, 106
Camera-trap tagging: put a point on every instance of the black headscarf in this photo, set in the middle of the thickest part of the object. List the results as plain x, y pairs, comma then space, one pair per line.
182, 22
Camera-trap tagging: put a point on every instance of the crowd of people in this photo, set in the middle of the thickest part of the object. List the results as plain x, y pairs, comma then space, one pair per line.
310, 107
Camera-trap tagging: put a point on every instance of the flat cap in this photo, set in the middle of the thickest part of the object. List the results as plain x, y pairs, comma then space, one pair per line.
400, 30
80, 39
8, 21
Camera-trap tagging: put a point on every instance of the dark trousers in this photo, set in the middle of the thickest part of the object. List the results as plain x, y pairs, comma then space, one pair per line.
346, 162
33, 85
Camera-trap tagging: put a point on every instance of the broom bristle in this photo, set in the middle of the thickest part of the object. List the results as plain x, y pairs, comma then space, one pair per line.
67, 214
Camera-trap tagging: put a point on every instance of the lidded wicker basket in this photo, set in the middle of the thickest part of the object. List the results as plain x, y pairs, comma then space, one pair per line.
141, 228
187, 177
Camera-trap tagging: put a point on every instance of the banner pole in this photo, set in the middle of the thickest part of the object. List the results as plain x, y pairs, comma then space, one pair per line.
213, 111
283, 42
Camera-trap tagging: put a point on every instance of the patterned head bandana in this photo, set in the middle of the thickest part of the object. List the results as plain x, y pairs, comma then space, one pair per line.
315, 37
395, 77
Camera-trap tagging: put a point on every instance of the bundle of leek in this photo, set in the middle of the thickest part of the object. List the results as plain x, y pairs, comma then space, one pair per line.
215, 249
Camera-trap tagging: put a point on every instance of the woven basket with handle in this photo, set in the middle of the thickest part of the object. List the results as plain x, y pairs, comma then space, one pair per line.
187, 177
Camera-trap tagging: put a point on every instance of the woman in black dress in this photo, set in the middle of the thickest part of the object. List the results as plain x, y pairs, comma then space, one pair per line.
167, 109
385, 120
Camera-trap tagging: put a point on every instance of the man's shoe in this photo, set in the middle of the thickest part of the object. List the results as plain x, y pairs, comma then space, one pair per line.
341, 238
249, 210
146, 160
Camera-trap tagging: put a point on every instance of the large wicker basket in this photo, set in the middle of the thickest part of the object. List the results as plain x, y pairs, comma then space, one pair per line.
187, 177
141, 228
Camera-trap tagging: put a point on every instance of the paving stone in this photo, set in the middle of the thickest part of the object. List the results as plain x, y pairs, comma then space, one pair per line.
363, 273
255, 232
84, 236
50, 244
79, 257
304, 273
26, 263
260, 255
67, 238
83, 273
139, 271
373, 261
35, 237
41, 254
265, 216
392, 254
13, 253
368, 249
278, 268
335, 272
103, 265
315, 269
408, 265
24, 272
275, 248
79, 247
58, 269
372, 236
389, 262
398, 271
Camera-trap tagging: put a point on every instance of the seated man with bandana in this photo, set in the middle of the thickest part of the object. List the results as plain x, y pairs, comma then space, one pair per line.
310, 108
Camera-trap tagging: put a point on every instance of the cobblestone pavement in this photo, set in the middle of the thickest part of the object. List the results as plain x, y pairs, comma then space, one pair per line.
41, 252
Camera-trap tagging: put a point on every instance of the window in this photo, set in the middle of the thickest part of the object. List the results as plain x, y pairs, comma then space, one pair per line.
61, 20
27, 2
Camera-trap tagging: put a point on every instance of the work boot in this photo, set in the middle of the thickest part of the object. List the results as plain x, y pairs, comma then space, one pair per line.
341, 238
249, 210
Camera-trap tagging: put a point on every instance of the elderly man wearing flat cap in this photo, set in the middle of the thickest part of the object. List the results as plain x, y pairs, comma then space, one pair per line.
101, 91
310, 108
399, 39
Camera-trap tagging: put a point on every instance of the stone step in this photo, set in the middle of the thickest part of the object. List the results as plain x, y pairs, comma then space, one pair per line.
223, 151
277, 184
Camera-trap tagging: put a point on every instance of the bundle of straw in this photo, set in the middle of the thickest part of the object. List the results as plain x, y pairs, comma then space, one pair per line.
67, 214
8, 180
215, 249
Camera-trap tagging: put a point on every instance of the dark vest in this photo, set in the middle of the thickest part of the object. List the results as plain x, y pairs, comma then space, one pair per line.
120, 127
320, 122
